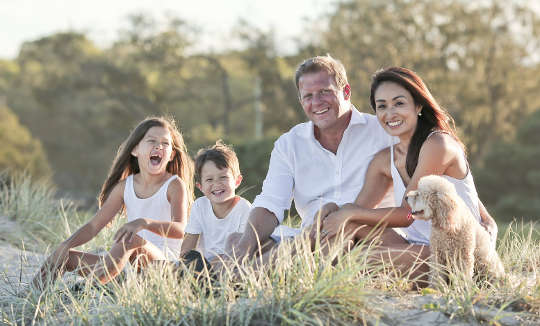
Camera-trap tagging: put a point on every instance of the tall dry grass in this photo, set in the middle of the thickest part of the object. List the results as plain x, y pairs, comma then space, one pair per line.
303, 287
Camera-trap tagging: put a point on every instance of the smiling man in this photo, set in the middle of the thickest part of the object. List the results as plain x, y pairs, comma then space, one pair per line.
316, 162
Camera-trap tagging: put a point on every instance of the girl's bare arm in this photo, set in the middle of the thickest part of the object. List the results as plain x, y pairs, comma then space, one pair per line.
176, 194
102, 217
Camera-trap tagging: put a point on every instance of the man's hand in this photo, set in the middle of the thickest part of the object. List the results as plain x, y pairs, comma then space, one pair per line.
260, 225
129, 230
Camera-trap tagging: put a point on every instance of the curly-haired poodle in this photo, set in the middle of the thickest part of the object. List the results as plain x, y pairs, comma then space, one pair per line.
458, 241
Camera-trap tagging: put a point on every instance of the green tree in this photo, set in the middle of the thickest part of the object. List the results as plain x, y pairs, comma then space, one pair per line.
278, 97
20, 152
477, 57
509, 181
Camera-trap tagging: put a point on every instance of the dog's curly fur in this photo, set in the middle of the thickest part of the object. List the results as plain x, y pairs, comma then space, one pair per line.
458, 241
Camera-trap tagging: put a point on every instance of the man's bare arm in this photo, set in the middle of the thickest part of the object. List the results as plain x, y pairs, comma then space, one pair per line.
260, 226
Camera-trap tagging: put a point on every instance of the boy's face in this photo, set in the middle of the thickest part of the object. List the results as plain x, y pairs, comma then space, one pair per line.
218, 185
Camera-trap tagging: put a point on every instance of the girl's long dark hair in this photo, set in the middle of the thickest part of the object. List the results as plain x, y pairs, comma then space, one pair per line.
125, 164
433, 117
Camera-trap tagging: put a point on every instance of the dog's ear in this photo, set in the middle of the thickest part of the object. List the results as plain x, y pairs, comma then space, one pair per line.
444, 207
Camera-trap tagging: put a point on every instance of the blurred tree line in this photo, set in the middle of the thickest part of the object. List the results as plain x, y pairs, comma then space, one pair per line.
481, 60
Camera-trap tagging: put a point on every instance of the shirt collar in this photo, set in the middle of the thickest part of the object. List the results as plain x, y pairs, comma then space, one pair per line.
356, 119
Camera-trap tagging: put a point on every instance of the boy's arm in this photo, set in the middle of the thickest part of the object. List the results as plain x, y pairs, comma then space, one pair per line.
189, 243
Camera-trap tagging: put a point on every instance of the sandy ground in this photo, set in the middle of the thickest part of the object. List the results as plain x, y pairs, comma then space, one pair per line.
17, 268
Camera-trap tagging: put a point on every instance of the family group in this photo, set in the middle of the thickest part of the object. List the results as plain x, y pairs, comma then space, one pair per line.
348, 173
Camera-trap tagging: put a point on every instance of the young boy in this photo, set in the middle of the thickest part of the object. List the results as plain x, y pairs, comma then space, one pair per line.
219, 212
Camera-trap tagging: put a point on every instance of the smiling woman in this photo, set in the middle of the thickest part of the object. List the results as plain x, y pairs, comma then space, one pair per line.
428, 146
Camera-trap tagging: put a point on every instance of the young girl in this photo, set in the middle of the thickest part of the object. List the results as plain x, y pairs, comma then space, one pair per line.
428, 145
151, 178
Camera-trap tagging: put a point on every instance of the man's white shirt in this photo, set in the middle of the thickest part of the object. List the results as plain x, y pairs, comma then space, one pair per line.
214, 231
302, 169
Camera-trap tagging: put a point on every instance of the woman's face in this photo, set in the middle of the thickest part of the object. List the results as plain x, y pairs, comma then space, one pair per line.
396, 110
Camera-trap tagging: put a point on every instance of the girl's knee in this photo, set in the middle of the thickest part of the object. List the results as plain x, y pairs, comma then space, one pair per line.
135, 243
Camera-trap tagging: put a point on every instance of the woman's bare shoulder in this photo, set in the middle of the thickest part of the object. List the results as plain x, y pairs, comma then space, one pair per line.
440, 143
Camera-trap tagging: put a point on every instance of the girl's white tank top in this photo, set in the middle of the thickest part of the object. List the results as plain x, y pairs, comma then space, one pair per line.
155, 207
420, 231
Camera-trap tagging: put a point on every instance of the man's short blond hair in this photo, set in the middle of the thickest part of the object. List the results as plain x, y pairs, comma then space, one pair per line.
323, 63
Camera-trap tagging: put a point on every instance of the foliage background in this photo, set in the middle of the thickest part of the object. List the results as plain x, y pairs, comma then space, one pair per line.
70, 103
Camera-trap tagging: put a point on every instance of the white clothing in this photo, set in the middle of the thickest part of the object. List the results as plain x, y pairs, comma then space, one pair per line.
213, 230
420, 231
302, 169
156, 207
282, 232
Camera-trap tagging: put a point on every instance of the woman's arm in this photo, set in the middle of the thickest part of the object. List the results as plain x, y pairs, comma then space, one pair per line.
488, 222
437, 154
377, 182
176, 194
189, 243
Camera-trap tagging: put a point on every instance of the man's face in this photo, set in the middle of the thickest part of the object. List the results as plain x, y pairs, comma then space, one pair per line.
324, 104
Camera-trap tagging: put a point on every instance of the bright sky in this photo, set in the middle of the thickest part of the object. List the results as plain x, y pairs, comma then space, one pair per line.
26, 20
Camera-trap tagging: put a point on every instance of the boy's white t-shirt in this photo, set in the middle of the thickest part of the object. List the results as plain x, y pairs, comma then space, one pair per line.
214, 231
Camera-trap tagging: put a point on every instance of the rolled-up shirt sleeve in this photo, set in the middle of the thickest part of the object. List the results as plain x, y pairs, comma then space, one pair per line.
277, 190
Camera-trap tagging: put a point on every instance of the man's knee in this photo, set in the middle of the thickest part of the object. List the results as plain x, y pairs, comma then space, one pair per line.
232, 241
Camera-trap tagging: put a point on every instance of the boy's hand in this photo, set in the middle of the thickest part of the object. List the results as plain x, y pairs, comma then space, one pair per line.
129, 230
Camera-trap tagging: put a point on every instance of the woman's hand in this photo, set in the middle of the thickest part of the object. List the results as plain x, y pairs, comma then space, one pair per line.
326, 210
491, 228
129, 230
335, 221
322, 213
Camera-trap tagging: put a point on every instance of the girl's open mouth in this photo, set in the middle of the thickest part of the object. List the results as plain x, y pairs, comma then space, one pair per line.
155, 159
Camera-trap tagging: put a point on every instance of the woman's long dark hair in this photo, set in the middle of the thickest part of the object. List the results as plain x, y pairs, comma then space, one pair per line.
433, 117
125, 164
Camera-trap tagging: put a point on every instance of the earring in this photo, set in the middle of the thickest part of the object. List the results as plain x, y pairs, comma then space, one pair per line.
420, 113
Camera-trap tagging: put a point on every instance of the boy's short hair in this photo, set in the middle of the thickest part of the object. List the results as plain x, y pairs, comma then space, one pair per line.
326, 63
221, 154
